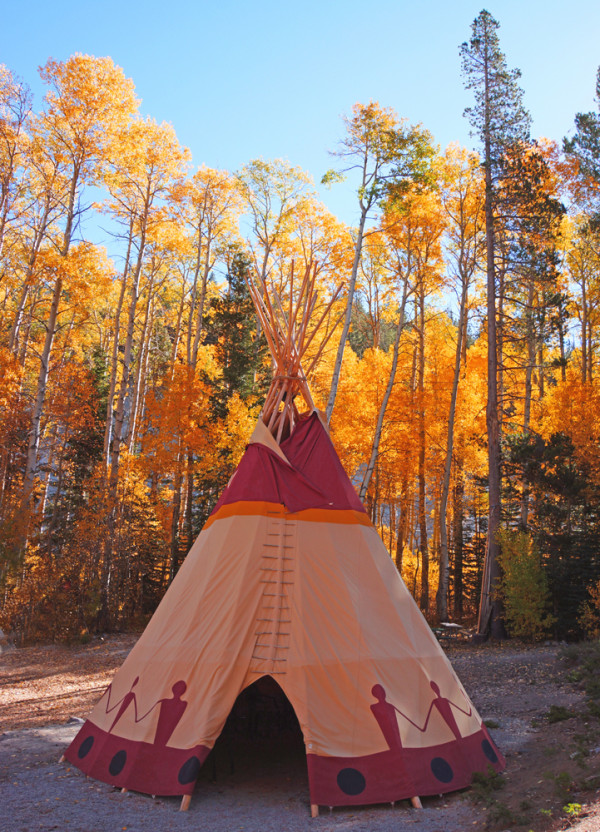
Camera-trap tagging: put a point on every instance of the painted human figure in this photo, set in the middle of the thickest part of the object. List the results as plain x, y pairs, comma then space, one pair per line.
385, 714
444, 708
123, 703
171, 711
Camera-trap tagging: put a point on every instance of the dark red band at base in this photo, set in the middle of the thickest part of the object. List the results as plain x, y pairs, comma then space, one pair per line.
138, 766
334, 781
393, 775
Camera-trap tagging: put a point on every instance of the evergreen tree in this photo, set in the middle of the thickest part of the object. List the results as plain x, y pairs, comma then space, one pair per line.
500, 121
566, 522
585, 144
240, 350
360, 336
531, 306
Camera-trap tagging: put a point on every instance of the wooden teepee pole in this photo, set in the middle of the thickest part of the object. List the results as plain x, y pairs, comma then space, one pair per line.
286, 322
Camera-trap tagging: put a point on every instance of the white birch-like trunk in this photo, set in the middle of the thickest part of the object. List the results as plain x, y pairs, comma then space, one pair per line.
444, 577
386, 397
348, 315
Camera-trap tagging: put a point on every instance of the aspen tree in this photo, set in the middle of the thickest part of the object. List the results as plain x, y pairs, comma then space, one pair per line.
88, 99
15, 110
147, 161
388, 155
462, 201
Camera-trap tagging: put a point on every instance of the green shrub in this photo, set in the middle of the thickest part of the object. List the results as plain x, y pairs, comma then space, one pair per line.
589, 614
557, 713
484, 784
523, 587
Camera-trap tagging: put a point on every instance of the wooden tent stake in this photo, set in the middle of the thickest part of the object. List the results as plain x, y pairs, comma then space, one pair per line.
185, 802
314, 808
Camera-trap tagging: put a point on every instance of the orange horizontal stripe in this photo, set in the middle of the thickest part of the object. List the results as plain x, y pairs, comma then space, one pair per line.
311, 515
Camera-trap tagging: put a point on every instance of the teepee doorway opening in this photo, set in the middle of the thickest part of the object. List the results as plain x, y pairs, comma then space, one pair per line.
261, 740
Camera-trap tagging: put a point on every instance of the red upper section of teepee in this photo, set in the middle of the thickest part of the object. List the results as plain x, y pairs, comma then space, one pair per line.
314, 477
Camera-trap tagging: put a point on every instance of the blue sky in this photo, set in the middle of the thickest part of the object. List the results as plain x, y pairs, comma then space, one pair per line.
240, 79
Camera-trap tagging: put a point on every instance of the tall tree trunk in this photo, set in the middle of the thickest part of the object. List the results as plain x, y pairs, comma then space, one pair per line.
202, 302
105, 616
458, 538
490, 610
118, 431
193, 294
531, 356
174, 563
584, 331
458, 503
36, 416
141, 365
13, 340
57, 495
403, 512
561, 341
114, 366
349, 302
386, 397
501, 398
540, 354
590, 350
49, 468
189, 484
39, 235
178, 327
444, 580
423, 538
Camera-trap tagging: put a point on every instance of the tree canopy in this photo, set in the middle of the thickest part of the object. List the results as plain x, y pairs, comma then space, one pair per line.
460, 371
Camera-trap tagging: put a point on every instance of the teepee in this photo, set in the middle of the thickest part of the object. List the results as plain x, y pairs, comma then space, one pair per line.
289, 579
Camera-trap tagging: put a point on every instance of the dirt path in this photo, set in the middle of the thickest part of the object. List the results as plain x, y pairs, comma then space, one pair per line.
550, 764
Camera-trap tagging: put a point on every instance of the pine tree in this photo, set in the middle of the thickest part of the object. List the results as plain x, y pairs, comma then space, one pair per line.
585, 144
232, 329
532, 296
500, 121
240, 351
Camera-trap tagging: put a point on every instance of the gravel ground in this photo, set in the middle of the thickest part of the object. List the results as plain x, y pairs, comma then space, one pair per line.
38, 793
512, 685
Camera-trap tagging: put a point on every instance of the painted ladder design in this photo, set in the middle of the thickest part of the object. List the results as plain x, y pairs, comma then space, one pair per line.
277, 568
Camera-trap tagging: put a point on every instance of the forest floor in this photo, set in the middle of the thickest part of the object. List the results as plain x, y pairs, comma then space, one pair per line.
541, 704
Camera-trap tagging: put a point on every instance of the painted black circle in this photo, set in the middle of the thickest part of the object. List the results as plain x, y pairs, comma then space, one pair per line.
117, 764
189, 771
489, 751
351, 781
85, 747
442, 770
